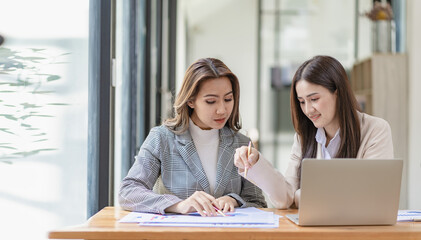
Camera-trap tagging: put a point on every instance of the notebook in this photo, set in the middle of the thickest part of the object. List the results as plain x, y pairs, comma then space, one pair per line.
349, 192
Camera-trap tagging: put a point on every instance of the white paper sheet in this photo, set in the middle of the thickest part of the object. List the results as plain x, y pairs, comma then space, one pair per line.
242, 217
409, 215
274, 224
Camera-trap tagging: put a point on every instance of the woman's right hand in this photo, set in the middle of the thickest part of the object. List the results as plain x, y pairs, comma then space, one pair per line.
200, 201
240, 158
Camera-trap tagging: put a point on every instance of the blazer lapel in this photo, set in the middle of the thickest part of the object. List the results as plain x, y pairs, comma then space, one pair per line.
225, 163
188, 152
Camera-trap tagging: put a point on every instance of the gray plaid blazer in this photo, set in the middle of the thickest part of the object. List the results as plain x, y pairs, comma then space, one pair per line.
172, 161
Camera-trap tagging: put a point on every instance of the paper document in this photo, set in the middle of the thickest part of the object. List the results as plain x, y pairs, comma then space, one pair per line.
274, 224
242, 217
409, 216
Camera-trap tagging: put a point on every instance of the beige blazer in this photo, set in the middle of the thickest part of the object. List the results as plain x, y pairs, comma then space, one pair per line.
284, 191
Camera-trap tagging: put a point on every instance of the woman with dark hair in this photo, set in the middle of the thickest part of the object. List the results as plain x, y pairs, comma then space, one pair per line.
328, 124
186, 164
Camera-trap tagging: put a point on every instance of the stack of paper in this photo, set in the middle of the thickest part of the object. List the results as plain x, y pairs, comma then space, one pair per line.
409, 216
241, 218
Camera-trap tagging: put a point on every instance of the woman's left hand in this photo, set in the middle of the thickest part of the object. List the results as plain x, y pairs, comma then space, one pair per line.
226, 204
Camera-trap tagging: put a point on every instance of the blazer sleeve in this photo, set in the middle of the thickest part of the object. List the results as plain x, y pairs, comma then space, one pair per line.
136, 192
250, 196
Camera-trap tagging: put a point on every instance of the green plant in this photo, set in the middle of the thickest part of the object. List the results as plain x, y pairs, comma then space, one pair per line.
22, 85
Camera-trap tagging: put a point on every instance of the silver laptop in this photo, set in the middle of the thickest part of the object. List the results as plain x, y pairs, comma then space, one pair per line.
349, 192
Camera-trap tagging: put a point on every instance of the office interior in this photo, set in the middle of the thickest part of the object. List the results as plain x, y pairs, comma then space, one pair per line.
82, 82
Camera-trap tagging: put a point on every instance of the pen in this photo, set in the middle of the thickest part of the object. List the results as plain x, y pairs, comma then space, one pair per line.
219, 211
248, 154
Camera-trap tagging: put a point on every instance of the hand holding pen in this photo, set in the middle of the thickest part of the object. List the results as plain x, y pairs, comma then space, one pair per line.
199, 201
219, 211
205, 204
225, 204
244, 158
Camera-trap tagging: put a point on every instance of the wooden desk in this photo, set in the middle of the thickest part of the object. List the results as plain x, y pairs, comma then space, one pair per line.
104, 225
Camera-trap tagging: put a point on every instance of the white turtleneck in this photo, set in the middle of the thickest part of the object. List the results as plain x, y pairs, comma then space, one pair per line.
206, 143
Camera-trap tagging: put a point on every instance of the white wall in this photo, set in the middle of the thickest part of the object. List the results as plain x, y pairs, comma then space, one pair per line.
209, 34
414, 73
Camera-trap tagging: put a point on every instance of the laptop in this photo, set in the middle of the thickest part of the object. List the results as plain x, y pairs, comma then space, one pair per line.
349, 192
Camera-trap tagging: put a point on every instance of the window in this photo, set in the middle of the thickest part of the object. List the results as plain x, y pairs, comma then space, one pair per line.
44, 108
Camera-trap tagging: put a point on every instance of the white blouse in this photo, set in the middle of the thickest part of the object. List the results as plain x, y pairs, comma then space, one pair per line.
206, 143
330, 151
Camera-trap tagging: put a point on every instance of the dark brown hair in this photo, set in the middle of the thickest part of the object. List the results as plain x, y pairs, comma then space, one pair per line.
198, 72
327, 72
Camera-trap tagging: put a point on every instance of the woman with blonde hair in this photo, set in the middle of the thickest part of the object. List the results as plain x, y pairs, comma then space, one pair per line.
328, 124
193, 152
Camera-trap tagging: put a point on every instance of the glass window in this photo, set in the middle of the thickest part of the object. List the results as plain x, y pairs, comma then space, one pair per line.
292, 32
43, 116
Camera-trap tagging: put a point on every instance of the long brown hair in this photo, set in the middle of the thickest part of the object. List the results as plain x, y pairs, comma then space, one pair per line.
199, 71
328, 72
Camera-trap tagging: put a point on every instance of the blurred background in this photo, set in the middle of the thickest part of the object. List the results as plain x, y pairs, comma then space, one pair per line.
82, 82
